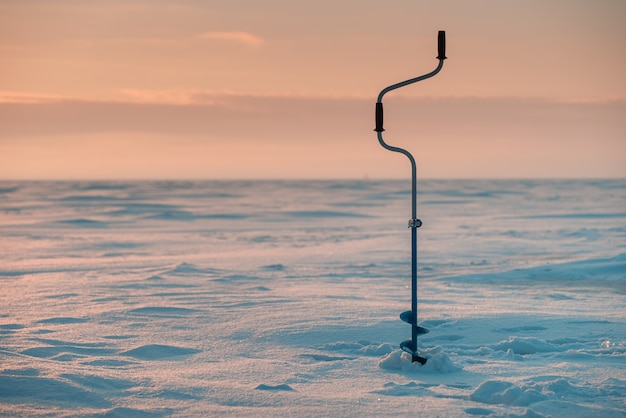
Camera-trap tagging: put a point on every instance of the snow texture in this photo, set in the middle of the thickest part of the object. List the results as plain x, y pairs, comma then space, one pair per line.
269, 298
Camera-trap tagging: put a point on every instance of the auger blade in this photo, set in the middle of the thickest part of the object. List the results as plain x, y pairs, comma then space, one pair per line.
409, 318
411, 348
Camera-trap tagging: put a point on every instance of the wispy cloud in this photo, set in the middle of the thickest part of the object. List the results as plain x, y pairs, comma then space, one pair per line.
241, 37
32, 98
170, 97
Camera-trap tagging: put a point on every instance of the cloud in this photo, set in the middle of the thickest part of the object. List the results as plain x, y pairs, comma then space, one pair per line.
241, 37
31, 98
170, 97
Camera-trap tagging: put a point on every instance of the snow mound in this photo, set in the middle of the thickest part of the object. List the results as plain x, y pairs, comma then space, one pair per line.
359, 348
159, 352
377, 349
494, 392
545, 393
525, 345
438, 362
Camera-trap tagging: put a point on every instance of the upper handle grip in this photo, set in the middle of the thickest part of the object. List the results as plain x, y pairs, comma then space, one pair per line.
441, 44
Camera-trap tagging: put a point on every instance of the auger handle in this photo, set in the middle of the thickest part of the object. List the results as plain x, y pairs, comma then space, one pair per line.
379, 117
441, 44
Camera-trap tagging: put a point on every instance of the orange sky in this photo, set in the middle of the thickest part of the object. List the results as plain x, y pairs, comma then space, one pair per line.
286, 89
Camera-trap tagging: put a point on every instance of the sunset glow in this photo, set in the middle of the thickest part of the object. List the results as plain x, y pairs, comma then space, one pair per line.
154, 89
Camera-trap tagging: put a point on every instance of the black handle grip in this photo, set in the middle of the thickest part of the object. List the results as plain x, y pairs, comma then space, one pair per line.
441, 41
379, 117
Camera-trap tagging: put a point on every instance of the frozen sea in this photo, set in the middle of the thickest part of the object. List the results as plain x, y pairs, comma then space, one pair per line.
281, 298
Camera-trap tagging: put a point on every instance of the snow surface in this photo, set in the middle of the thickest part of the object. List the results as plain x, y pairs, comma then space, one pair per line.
273, 298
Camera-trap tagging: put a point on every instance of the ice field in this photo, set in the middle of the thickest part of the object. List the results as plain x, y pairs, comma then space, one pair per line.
281, 298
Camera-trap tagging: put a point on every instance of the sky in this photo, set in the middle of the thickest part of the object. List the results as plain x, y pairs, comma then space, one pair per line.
227, 89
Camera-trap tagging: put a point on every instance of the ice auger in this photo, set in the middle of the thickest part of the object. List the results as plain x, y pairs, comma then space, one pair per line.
410, 317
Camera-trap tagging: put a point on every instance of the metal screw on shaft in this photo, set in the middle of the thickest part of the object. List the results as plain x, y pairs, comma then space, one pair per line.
410, 317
